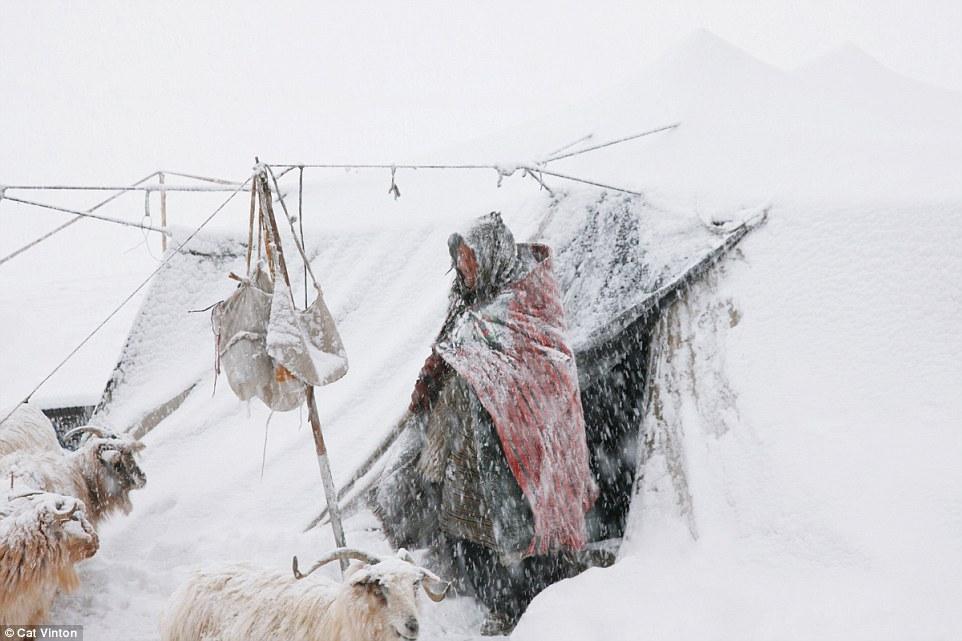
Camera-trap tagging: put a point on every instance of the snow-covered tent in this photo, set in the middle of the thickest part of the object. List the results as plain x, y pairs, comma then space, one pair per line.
800, 475
169, 347
619, 261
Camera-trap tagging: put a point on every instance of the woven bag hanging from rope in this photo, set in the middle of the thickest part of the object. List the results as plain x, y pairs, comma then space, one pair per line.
267, 347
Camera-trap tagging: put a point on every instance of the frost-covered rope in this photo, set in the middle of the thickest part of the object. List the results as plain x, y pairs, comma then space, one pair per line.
502, 170
571, 144
106, 201
290, 221
85, 214
539, 171
190, 188
300, 221
216, 181
130, 296
73, 220
535, 171
39, 240
610, 143
379, 166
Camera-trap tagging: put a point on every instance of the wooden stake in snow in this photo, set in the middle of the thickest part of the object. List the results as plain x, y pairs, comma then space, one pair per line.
327, 478
363, 469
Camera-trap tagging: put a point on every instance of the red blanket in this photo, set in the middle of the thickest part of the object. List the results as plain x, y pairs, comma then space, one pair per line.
513, 353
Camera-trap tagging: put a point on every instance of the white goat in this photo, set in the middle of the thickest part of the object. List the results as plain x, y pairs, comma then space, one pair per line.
27, 429
42, 536
377, 601
101, 473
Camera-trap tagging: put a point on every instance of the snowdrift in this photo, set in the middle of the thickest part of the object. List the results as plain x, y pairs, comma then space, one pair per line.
798, 477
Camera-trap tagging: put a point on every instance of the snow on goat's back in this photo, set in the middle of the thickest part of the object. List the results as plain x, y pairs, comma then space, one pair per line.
237, 602
42, 537
27, 429
243, 601
102, 472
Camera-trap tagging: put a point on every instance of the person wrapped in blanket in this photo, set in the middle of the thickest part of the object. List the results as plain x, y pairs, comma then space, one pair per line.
496, 472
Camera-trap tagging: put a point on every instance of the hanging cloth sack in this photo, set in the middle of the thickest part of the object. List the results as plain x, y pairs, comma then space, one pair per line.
271, 350
305, 343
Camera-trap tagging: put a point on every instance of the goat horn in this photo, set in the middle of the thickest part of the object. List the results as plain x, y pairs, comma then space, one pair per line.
97, 431
24, 495
68, 512
336, 555
435, 596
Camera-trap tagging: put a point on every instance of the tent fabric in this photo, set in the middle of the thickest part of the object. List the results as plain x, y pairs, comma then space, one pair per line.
272, 351
615, 258
512, 350
613, 253
168, 349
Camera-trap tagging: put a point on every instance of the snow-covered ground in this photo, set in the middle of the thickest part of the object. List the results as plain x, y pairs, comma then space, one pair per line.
824, 489
820, 433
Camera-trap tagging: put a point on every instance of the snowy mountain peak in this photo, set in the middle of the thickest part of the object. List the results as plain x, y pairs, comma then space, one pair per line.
705, 51
849, 72
847, 61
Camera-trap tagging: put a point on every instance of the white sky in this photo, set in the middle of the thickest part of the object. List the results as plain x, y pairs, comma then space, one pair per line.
110, 91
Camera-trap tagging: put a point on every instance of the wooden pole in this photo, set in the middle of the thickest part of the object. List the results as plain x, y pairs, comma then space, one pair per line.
365, 467
163, 212
327, 478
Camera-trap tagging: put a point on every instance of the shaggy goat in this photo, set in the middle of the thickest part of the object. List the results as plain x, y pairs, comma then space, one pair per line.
101, 473
27, 429
377, 601
42, 536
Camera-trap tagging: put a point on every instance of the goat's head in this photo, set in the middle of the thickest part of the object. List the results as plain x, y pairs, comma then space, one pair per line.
392, 582
115, 465
63, 522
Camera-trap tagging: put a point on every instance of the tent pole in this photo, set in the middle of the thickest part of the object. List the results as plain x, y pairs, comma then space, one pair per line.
163, 212
326, 477
330, 492
365, 467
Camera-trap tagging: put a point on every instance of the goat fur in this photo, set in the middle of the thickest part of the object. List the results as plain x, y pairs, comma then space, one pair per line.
101, 473
27, 430
240, 602
38, 551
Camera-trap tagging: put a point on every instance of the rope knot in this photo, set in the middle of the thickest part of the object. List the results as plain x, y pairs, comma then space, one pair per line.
505, 172
393, 189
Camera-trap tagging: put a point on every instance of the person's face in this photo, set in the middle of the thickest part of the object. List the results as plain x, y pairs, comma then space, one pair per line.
467, 266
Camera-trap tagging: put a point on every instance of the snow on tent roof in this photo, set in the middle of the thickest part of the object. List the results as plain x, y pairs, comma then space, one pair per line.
614, 252
611, 252
168, 348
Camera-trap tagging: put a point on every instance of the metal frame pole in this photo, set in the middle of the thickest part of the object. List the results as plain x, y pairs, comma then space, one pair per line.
163, 212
